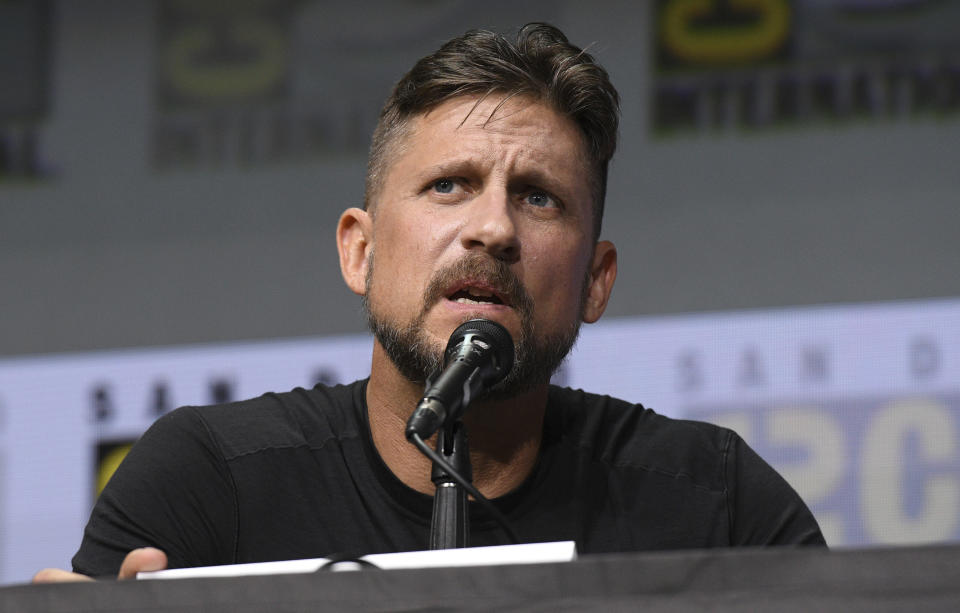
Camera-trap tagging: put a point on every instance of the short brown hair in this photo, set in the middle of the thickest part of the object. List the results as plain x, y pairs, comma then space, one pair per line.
541, 64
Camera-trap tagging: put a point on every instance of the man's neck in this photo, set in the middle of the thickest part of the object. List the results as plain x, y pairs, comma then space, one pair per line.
504, 437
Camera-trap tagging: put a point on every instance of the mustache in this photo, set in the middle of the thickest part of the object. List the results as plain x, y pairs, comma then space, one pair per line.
480, 268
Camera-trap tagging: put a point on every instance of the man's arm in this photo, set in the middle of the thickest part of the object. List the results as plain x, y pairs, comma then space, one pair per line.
763, 508
173, 492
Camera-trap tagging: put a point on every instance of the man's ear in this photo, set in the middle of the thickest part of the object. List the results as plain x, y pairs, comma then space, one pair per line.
355, 244
603, 272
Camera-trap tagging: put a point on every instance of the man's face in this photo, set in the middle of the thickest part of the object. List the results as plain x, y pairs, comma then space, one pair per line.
483, 213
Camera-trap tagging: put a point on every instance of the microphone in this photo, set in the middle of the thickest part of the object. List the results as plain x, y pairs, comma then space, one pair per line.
479, 355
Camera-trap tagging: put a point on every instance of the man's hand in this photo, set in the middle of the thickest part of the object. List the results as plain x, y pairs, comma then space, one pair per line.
147, 558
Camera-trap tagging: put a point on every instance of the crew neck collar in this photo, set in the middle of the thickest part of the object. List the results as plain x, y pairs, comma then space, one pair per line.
419, 506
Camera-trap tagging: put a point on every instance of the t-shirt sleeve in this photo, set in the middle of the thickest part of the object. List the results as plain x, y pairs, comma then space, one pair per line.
173, 491
763, 508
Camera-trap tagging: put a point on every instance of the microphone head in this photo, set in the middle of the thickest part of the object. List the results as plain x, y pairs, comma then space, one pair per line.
482, 338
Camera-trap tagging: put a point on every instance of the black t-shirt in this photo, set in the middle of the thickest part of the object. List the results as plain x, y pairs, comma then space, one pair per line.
296, 475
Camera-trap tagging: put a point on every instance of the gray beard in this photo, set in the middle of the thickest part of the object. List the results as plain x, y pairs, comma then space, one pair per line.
536, 356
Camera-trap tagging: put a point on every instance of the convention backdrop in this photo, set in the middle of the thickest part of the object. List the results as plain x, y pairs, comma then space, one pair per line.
783, 200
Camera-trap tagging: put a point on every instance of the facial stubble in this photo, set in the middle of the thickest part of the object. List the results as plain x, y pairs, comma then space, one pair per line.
416, 356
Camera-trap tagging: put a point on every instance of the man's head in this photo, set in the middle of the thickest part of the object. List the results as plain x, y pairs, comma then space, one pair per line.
541, 65
484, 199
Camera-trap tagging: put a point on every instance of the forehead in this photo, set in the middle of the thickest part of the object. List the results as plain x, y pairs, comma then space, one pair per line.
501, 117
492, 111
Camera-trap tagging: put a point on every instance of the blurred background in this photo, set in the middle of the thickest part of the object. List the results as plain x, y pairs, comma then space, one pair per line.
171, 174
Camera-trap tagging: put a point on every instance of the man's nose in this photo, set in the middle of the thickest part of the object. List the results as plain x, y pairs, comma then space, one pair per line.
491, 226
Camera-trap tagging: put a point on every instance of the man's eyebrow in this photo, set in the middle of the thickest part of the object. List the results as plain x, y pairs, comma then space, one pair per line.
447, 167
545, 179
537, 176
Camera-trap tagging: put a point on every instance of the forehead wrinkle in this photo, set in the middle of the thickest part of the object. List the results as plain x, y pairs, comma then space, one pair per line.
498, 157
484, 148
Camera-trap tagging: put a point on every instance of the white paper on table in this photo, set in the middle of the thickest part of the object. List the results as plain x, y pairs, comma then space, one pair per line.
528, 553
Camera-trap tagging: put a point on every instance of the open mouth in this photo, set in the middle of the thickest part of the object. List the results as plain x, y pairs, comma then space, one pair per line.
475, 295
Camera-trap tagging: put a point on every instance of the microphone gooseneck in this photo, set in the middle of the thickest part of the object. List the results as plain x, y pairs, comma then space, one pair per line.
479, 355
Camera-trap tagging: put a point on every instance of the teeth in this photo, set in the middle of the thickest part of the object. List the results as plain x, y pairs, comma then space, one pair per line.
475, 295
473, 291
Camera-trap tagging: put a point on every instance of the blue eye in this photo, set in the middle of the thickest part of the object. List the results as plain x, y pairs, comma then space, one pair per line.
443, 186
540, 199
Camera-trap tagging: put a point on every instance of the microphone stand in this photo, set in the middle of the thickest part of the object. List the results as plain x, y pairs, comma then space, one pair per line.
450, 524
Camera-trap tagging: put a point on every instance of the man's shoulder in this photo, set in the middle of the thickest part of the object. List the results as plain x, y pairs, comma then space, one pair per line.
601, 415
276, 419
629, 435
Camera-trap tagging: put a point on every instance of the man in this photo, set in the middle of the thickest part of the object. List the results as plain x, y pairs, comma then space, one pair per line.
484, 196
